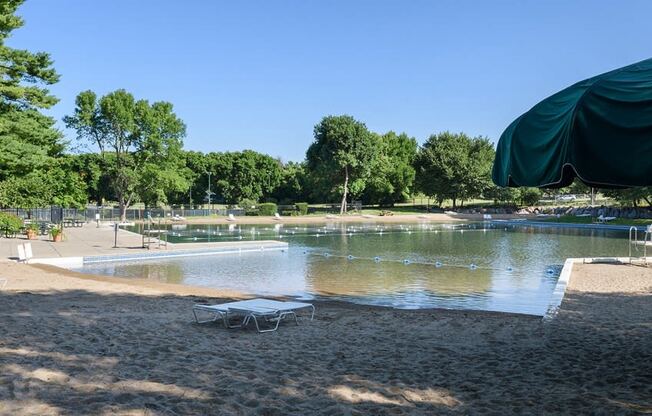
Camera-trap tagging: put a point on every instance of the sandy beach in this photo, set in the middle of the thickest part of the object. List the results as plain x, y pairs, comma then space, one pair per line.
73, 344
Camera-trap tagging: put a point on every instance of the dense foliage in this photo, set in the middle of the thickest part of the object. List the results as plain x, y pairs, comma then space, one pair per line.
135, 154
9, 224
454, 166
29, 144
341, 157
143, 140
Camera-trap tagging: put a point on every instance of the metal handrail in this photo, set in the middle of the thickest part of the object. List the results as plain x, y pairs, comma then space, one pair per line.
635, 242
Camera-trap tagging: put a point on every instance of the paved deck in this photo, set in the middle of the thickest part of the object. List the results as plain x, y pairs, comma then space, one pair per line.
90, 240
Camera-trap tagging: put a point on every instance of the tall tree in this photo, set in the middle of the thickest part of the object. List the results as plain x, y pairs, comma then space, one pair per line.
28, 140
393, 172
631, 196
292, 187
342, 155
454, 166
244, 175
143, 141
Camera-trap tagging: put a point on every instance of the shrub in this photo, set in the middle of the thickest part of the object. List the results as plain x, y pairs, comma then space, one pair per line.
247, 203
9, 224
302, 207
267, 209
529, 196
55, 232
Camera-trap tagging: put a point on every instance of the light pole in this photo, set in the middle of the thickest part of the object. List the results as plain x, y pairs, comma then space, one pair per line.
209, 190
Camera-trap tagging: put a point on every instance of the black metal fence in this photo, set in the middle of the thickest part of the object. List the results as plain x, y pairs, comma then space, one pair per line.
58, 214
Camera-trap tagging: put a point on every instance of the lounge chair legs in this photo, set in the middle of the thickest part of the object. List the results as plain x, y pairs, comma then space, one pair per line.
276, 319
217, 315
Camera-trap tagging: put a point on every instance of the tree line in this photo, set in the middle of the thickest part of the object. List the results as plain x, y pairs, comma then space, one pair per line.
134, 153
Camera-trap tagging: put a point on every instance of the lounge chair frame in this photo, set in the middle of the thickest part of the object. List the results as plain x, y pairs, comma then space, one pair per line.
258, 310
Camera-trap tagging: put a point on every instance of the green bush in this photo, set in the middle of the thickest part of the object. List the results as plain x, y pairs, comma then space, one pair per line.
529, 196
9, 224
247, 203
289, 213
302, 207
267, 209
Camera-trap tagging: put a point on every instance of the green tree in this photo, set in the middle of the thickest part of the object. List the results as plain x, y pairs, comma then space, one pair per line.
501, 195
342, 155
454, 166
393, 172
39, 188
292, 187
244, 175
28, 139
143, 139
633, 196
529, 196
197, 165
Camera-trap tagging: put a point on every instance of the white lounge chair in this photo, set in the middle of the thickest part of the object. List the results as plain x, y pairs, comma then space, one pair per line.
277, 217
22, 258
178, 218
254, 309
230, 218
28, 251
486, 217
603, 220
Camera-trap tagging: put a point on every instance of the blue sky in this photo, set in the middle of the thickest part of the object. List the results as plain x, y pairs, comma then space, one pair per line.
260, 74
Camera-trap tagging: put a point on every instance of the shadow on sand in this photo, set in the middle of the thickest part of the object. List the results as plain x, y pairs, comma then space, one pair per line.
78, 352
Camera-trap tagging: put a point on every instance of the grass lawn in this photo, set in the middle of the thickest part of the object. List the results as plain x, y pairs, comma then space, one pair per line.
571, 219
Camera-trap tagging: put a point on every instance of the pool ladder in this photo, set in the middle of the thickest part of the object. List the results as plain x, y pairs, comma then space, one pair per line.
634, 242
148, 234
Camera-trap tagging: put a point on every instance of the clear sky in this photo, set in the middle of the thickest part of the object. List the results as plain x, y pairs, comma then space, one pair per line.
260, 74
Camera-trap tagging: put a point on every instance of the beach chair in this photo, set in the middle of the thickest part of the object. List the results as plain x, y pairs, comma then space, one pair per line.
257, 310
24, 252
230, 218
22, 258
277, 217
486, 217
603, 220
215, 312
28, 252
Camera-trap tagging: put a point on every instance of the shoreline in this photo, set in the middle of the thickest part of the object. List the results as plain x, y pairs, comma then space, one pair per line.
75, 343
315, 219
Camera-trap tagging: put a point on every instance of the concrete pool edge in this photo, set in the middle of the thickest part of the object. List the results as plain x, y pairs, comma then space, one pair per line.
233, 248
564, 279
546, 224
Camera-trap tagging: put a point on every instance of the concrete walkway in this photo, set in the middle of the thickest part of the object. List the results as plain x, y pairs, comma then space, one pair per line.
90, 240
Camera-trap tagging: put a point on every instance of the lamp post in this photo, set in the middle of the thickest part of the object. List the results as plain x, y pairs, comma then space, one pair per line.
209, 193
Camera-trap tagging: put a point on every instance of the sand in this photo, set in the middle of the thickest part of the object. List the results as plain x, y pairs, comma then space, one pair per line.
76, 345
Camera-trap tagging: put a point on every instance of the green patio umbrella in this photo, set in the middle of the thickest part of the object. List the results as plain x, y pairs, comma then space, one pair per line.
598, 130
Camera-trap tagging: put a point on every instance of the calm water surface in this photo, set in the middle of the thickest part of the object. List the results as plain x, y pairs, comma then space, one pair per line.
471, 266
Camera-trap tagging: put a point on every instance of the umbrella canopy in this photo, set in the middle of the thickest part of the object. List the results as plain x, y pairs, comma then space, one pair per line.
598, 130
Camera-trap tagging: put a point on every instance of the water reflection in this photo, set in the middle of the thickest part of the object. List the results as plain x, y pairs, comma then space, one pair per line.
482, 267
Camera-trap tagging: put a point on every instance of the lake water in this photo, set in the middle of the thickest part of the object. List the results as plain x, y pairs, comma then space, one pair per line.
469, 266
